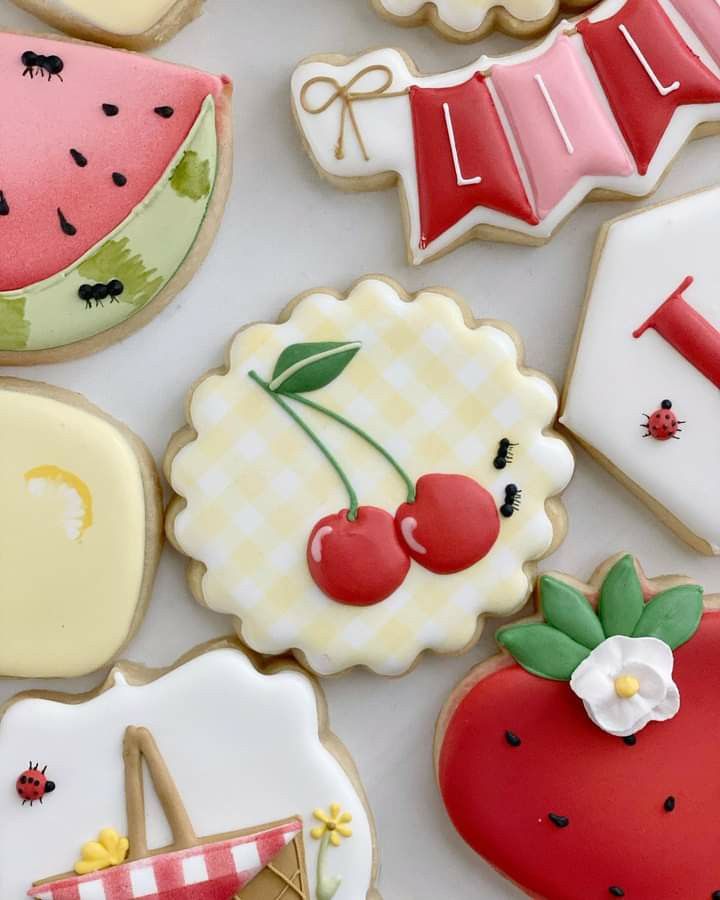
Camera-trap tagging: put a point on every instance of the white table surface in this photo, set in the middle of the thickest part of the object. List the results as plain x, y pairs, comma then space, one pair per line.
286, 231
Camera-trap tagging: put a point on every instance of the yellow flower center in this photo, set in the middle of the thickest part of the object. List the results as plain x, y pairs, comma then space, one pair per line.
626, 686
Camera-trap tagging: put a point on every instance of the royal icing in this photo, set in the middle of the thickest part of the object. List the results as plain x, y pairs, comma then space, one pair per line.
434, 398
282, 772
98, 217
76, 546
549, 798
123, 17
653, 311
542, 128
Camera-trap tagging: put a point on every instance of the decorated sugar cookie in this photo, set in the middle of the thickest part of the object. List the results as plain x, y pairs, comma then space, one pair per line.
82, 536
580, 762
216, 778
505, 149
367, 479
135, 24
470, 20
108, 210
653, 314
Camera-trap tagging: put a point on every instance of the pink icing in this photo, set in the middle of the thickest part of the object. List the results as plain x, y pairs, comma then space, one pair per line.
43, 120
597, 148
703, 16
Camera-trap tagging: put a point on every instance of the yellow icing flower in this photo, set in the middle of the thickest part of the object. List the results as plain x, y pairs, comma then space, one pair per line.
108, 850
334, 824
70, 491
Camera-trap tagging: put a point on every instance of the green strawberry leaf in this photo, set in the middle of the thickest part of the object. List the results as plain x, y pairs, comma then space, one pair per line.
672, 616
543, 650
621, 599
309, 367
568, 610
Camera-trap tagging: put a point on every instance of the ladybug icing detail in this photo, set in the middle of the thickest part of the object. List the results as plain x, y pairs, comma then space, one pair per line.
662, 424
33, 784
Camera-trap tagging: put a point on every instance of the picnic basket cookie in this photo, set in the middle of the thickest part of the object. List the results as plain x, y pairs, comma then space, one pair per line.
109, 209
469, 20
245, 793
134, 24
82, 507
648, 355
505, 149
367, 479
580, 762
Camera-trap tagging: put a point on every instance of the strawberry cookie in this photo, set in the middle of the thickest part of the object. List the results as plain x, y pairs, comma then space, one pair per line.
367, 479
581, 762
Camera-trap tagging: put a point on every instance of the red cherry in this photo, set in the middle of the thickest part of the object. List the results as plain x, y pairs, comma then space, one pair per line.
358, 562
452, 524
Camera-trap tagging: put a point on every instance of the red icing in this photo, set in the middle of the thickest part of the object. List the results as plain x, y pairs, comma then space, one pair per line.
643, 114
43, 120
499, 796
453, 519
483, 151
359, 562
688, 332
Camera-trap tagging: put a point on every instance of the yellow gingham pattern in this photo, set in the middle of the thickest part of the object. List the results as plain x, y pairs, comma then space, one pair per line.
439, 396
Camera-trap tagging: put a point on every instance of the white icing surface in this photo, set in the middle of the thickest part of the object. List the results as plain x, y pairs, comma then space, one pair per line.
618, 378
242, 747
387, 130
469, 15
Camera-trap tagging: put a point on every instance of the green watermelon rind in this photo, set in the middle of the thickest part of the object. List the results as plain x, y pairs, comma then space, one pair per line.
155, 239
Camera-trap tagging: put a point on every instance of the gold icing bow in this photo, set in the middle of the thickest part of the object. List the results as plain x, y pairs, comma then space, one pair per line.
348, 95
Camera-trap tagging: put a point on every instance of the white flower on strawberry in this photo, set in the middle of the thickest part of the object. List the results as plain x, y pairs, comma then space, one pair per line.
626, 682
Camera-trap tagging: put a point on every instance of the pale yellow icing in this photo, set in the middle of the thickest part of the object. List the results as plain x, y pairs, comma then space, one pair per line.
68, 594
121, 16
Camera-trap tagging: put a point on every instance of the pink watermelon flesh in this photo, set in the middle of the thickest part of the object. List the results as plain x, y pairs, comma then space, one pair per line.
43, 119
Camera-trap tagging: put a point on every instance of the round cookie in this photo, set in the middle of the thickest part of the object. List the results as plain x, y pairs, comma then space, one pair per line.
82, 535
367, 479
106, 214
292, 821
585, 767
133, 24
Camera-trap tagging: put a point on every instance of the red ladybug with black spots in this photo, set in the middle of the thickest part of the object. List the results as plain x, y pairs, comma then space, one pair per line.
33, 785
662, 424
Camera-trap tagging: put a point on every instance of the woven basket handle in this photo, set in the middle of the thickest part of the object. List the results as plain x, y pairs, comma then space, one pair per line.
139, 744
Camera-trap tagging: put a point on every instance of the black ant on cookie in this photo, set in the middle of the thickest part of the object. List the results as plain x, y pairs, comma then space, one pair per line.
37, 64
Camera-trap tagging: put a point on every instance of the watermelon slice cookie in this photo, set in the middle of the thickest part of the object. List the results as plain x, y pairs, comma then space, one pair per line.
114, 169
582, 761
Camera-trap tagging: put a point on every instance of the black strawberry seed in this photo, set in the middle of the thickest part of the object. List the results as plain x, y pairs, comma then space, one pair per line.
630, 740
669, 804
616, 891
67, 227
119, 179
110, 109
165, 112
512, 739
4, 208
79, 159
559, 821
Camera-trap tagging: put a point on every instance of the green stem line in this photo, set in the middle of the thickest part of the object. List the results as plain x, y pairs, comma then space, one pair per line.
353, 511
327, 884
361, 434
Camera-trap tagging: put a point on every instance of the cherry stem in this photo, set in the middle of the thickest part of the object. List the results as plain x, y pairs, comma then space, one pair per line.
353, 511
411, 494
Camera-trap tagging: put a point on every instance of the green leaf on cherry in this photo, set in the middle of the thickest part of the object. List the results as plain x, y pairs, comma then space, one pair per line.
621, 599
308, 367
672, 616
567, 610
543, 650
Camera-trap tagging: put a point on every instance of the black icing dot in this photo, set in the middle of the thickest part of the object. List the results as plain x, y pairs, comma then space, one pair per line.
507, 510
100, 291
669, 804
630, 740
512, 739
559, 821
67, 227
115, 287
23, 779
616, 891
715, 895
110, 109
80, 160
165, 112
85, 292
4, 208
119, 179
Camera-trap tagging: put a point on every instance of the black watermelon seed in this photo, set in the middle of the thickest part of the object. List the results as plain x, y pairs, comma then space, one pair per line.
559, 821
616, 891
4, 208
119, 179
85, 292
630, 740
669, 804
512, 739
165, 112
100, 291
80, 160
67, 227
110, 109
